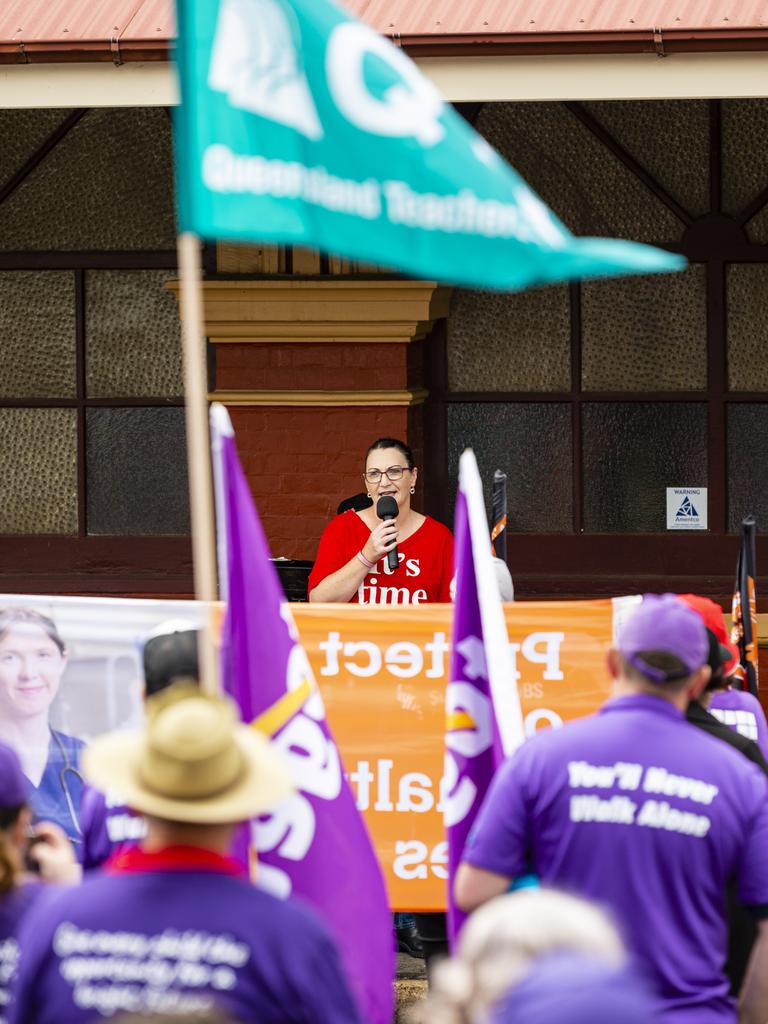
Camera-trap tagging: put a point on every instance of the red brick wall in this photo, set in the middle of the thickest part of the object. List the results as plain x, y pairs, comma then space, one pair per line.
301, 462
311, 367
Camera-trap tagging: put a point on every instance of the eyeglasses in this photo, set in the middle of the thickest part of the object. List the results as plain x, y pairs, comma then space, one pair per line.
393, 473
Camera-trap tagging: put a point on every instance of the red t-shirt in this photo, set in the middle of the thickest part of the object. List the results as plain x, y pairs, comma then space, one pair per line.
423, 575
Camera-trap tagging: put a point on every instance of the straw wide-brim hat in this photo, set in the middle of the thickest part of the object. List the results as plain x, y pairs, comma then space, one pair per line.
192, 762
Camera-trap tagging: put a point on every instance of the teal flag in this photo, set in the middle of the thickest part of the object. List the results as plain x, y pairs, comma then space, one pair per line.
299, 124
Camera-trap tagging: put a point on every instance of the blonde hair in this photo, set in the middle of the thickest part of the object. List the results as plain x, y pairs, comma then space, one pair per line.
499, 943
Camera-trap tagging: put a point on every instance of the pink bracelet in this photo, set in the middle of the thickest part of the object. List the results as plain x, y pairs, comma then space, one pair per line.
364, 560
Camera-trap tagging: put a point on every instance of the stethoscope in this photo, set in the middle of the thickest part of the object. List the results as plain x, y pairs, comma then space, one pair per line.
68, 769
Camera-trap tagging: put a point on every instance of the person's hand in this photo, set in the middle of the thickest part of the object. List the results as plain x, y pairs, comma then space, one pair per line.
382, 539
54, 855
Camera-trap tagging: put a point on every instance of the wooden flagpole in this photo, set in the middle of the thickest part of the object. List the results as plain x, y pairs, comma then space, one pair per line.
198, 446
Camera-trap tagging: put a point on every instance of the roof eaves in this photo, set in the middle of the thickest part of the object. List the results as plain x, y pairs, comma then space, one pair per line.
549, 43
84, 51
677, 40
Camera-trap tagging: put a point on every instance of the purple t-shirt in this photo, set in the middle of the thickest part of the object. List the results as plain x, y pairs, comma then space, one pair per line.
108, 825
176, 932
743, 713
13, 908
640, 811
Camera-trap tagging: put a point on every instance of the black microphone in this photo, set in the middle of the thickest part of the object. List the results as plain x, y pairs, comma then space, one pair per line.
386, 508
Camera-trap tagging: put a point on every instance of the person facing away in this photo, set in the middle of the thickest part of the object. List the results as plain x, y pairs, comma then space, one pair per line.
720, 659
108, 824
634, 808
742, 929
739, 709
172, 925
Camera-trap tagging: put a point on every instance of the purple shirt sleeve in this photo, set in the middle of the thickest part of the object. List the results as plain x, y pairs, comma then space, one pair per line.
95, 845
753, 870
500, 838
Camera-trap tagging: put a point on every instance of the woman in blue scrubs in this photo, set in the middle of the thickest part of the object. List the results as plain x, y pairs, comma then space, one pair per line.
32, 661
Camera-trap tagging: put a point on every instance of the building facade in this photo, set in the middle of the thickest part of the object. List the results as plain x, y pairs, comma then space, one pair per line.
594, 397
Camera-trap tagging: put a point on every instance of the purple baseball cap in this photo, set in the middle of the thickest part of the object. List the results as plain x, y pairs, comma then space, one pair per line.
664, 623
14, 788
576, 988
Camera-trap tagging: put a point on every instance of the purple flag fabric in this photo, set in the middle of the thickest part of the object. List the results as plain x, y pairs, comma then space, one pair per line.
314, 846
483, 718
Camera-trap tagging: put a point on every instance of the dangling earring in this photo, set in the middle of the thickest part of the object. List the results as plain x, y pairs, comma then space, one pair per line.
413, 490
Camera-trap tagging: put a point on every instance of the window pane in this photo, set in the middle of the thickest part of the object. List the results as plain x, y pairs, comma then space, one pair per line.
578, 177
747, 307
531, 443
632, 453
133, 335
38, 469
23, 132
37, 334
745, 151
745, 157
137, 471
645, 333
509, 342
747, 427
670, 138
107, 185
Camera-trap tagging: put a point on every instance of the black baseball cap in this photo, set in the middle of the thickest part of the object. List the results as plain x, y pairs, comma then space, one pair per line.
170, 653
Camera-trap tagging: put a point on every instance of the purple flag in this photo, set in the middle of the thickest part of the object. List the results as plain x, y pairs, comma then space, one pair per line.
483, 717
315, 845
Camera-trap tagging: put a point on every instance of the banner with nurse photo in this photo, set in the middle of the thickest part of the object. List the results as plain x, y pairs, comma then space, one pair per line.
70, 669
382, 672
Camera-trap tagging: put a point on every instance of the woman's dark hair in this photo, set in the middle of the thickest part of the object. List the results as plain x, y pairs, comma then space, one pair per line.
392, 442
10, 616
8, 868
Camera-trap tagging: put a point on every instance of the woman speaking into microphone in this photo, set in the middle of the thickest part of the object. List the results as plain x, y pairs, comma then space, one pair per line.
388, 553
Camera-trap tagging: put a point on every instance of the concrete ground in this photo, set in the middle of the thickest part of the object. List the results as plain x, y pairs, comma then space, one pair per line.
410, 986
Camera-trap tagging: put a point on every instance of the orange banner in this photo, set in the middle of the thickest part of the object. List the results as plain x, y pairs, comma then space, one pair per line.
383, 671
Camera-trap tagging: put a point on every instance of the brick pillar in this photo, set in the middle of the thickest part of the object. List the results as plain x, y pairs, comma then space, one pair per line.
313, 371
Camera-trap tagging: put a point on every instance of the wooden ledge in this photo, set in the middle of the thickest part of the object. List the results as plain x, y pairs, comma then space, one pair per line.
320, 398
311, 310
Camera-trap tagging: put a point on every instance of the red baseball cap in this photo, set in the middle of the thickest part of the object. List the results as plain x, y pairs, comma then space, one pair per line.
712, 615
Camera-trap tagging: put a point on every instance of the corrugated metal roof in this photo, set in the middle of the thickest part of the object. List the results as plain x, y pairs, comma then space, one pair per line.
86, 29
50, 30
515, 17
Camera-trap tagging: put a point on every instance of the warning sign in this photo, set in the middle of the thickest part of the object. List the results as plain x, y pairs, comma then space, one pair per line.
686, 508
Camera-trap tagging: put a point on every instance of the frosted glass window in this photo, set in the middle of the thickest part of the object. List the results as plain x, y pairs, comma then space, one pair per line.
747, 426
133, 333
107, 185
582, 181
38, 471
531, 443
632, 452
509, 342
37, 334
645, 333
747, 306
137, 471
